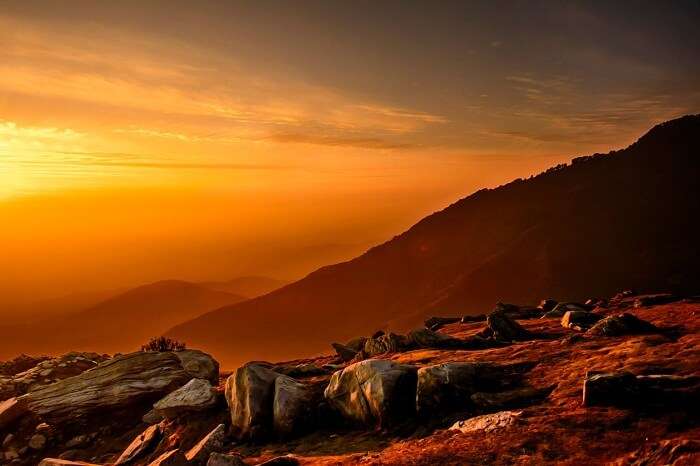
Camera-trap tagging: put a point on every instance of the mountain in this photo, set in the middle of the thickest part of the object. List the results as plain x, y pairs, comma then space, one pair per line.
120, 323
627, 219
250, 287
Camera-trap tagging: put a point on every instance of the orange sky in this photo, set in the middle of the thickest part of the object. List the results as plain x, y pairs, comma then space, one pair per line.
140, 142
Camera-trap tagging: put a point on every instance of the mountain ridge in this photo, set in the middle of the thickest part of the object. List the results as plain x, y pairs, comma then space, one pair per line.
558, 233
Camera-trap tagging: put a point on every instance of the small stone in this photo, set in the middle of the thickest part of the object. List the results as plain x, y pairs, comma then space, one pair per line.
37, 442
488, 422
43, 427
8, 439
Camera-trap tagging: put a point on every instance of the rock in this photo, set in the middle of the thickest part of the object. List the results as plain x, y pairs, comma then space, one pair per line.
425, 338
434, 323
170, 458
78, 441
199, 365
60, 462
37, 442
377, 334
560, 309
11, 410
286, 460
250, 394
213, 442
579, 320
356, 344
141, 445
509, 399
195, 395
624, 389
20, 364
655, 299
476, 318
388, 343
447, 387
504, 328
294, 405
547, 305
219, 459
373, 392
10, 454
622, 324
8, 439
119, 384
310, 369
345, 353
488, 422
152, 417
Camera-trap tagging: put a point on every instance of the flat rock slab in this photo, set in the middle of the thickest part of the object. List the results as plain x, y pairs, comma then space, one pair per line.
213, 442
141, 445
195, 395
170, 458
489, 422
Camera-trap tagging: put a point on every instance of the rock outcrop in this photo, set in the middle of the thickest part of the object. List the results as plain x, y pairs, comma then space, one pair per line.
622, 324
119, 384
374, 392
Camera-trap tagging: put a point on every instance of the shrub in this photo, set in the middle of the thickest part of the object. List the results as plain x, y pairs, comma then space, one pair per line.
163, 344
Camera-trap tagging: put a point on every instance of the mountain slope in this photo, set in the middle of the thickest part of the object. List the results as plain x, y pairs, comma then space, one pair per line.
120, 323
625, 219
250, 287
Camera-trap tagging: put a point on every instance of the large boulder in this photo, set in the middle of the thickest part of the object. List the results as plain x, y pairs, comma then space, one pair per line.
250, 394
622, 324
195, 395
119, 384
294, 405
579, 320
373, 392
625, 389
501, 327
447, 387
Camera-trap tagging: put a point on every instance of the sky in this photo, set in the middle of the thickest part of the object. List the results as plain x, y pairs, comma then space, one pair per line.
144, 140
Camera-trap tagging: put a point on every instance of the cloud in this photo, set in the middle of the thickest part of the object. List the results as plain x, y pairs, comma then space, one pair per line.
337, 141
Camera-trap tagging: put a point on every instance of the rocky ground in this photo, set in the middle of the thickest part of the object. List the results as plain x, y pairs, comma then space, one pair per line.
606, 382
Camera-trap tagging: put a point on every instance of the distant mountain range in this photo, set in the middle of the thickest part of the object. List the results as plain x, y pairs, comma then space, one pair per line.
125, 320
627, 219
